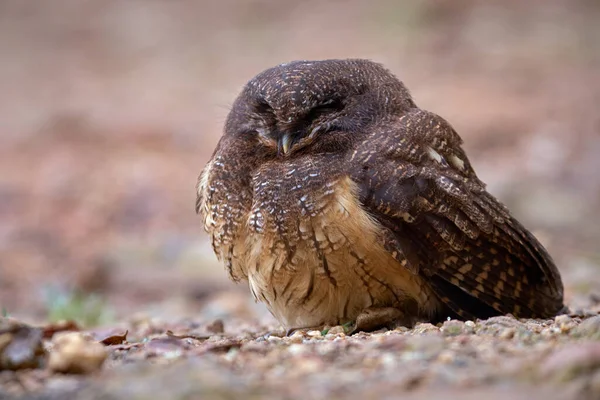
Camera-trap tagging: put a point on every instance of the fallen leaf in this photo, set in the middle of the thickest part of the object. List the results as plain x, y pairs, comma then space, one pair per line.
61, 326
216, 326
188, 336
115, 339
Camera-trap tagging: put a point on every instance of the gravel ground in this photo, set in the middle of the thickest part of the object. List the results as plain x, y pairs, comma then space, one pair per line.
496, 358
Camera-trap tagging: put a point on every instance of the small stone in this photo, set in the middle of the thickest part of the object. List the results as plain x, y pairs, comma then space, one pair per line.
335, 330
297, 349
253, 346
495, 325
74, 353
502, 320
314, 333
391, 343
326, 348
584, 313
231, 355
589, 328
308, 365
166, 347
401, 329
388, 360
595, 382
565, 323
572, 361
299, 334
424, 347
295, 339
20, 346
551, 331
274, 339
425, 328
453, 328
507, 333
63, 384
446, 357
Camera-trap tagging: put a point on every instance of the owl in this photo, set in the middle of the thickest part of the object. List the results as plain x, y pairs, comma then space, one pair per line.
341, 202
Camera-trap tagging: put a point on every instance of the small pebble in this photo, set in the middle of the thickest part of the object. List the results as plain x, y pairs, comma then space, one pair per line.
295, 339
401, 329
296, 349
589, 328
388, 360
425, 328
425, 347
335, 330
572, 360
453, 328
507, 333
298, 333
75, 353
446, 357
565, 323
562, 319
308, 365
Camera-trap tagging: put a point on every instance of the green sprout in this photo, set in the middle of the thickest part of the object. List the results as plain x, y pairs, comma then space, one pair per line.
87, 309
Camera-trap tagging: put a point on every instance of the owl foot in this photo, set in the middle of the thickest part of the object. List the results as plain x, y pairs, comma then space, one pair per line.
374, 318
370, 319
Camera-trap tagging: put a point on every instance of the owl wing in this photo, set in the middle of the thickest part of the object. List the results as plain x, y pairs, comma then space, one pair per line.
224, 199
441, 223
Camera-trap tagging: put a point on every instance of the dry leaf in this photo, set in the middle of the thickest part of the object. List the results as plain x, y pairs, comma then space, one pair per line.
61, 326
188, 336
115, 339
216, 326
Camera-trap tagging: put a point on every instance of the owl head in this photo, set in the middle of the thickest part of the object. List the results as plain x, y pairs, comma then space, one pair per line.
315, 104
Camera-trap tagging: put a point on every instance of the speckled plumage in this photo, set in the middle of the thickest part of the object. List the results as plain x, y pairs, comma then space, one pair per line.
337, 198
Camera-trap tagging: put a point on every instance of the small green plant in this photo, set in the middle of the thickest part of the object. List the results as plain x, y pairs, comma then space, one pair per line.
4, 312
87, 309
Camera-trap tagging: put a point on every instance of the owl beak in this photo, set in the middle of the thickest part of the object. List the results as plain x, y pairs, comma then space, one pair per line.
285, 142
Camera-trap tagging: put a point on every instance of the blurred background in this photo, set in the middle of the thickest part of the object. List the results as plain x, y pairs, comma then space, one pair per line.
110, 109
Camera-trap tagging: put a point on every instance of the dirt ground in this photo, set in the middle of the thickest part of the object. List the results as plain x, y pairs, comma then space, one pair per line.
110, 109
